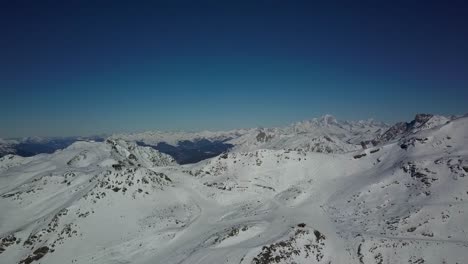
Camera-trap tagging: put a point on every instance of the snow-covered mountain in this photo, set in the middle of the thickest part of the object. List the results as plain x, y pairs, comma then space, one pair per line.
324, 134
174, 138
30, 146
269, 200
7, 147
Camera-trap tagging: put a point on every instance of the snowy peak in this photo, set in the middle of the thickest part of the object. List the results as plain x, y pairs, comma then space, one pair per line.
327, 120
315, 123
118, 153
420, 119
131, 153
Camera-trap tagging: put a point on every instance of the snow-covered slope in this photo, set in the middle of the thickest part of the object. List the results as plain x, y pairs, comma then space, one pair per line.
71, 201
116, 202
411, 205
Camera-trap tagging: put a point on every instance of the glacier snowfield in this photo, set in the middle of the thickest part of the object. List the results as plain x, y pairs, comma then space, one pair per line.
309, 193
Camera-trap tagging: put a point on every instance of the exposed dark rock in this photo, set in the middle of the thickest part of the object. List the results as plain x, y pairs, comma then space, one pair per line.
428, 234
363, 145
375, 150
393, 132
6, 242
265, 187
37, 254
163, 176
8, 195
421, 119
416, 173
117, 166
378, 258
360, 255
263, 137
401, 129
285, 250
416, 261
359, 156
318, 236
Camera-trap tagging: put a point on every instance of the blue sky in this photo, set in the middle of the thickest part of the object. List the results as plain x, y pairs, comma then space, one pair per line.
81, 68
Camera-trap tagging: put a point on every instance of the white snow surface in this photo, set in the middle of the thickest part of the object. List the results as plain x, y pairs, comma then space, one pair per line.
116, 202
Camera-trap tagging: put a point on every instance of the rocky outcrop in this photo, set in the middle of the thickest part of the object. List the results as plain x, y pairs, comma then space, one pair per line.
263, 137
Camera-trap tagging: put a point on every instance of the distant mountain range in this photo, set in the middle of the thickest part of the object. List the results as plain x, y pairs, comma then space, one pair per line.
319, 191
324, 134
31, 146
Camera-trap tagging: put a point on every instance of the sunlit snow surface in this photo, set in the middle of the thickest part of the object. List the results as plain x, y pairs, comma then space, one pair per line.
116, 202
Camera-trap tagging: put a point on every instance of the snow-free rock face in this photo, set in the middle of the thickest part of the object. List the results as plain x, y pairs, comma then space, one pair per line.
116, 202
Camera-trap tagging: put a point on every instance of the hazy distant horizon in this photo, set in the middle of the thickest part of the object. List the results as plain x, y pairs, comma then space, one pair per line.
192, 130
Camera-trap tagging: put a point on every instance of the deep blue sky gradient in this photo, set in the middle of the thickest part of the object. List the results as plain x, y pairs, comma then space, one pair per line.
78, 68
